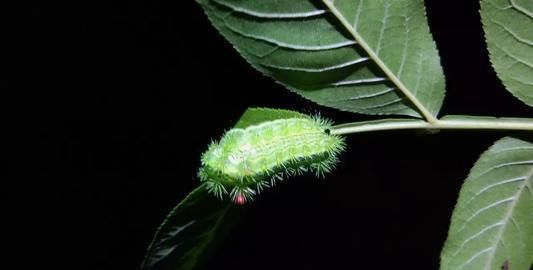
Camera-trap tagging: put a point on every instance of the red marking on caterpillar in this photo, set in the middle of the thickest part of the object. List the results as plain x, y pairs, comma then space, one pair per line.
240, 199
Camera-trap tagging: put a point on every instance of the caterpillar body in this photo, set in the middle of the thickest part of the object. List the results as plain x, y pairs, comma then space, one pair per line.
248, 160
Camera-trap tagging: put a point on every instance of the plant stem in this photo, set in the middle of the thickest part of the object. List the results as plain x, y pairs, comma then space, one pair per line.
447, 122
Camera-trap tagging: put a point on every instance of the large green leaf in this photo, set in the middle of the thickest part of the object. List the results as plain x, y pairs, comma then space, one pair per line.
373, 57
508, 26
195, 226
492, 224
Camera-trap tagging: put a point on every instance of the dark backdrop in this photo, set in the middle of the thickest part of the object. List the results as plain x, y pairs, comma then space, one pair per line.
130, 93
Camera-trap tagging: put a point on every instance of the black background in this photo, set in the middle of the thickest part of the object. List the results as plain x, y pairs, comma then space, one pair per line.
130, 93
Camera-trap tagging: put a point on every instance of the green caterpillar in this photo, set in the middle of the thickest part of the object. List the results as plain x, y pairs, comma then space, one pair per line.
246, 161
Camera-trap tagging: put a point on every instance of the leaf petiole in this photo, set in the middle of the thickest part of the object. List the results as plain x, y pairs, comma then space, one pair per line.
446, 122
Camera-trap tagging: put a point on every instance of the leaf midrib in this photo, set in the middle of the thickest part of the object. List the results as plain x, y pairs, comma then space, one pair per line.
361, 41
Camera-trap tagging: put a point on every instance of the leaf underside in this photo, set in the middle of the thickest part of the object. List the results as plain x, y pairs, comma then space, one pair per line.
492, 224
305, 46
508, 26
188, 233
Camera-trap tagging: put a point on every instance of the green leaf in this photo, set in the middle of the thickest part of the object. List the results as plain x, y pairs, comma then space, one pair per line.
254, 116
372, 57
508, 28
192, 230
188, 233
492, 224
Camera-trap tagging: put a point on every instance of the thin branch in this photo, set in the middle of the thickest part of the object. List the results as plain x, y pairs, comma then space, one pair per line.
448, 122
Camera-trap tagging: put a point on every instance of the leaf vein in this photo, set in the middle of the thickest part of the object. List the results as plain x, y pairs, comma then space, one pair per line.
476, 235
512, 33
359, 81
521, 9
386, 91
483, 209
517, 179
383, 27
257, 14
475, 256
329, 68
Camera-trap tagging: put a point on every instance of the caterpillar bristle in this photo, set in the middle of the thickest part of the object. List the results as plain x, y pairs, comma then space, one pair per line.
261, 185
216, 189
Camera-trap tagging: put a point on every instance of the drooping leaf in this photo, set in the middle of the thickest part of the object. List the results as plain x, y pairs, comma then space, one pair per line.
492, 224
194, 227
188, 233
373, 57
508, 28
